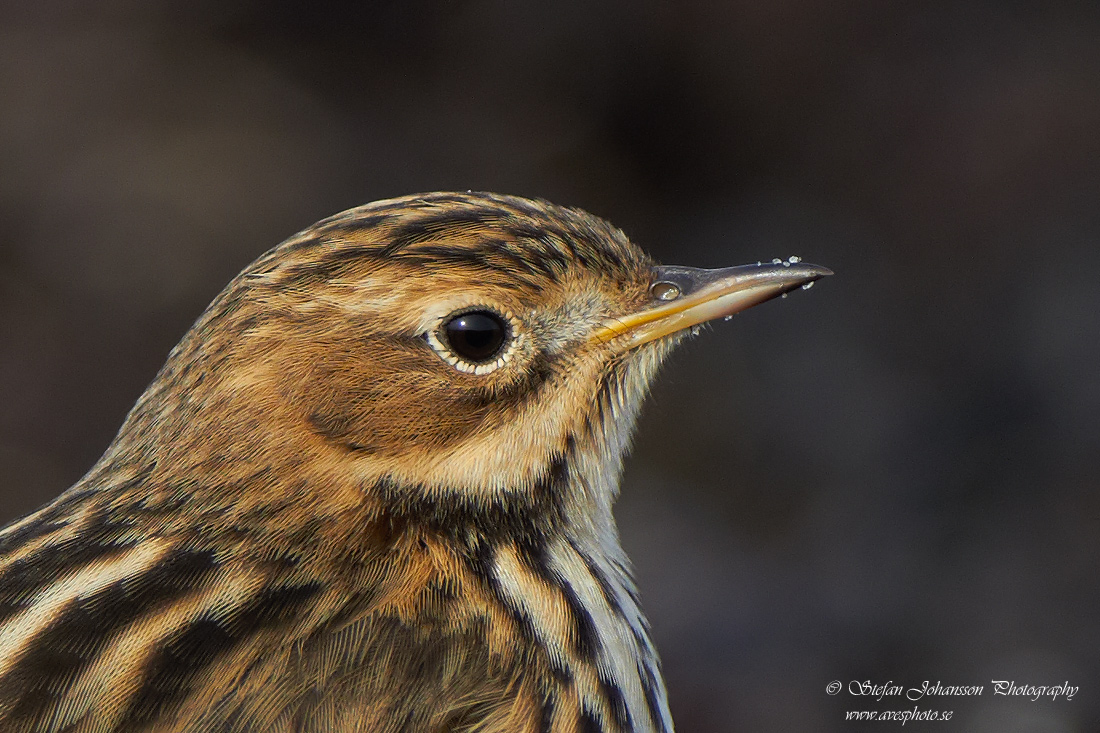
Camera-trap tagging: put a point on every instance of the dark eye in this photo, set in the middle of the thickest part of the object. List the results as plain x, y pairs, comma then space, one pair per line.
476, 336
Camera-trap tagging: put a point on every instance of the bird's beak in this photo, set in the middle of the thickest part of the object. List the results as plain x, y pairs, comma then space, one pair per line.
686, 296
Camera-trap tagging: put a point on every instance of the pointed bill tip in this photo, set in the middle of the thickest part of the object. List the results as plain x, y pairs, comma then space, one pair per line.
687, 296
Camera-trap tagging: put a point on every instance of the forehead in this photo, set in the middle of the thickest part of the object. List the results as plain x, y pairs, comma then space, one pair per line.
489, 239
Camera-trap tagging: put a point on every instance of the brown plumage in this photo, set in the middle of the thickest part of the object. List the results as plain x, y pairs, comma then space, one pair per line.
371, 490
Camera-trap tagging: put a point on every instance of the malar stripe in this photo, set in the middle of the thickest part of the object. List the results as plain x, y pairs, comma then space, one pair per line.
608, 383
557, 472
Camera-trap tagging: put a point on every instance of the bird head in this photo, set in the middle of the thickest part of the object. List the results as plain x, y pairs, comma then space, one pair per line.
455, 347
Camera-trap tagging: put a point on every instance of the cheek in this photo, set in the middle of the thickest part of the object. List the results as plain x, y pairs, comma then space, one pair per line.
387, 400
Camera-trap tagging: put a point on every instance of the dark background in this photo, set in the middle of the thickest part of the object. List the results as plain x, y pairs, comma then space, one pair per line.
890, 477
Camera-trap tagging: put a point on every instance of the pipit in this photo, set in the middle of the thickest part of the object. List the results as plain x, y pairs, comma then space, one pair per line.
371, 490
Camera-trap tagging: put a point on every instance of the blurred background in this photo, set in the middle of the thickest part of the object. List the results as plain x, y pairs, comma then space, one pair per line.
892, 477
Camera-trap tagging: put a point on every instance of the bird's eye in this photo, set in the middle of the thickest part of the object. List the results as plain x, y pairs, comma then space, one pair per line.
477, 335
475, 341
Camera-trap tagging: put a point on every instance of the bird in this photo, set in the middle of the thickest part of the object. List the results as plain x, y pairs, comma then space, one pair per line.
371, 489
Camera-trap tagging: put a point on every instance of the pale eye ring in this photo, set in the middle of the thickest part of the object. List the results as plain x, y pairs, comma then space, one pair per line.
475, 340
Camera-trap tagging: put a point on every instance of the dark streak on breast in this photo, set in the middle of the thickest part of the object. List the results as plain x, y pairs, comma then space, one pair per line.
183, 658
25, 577
606, 588
546, 715
616, 703
58, 654
652, 697
588, 722
586, 639
483, 566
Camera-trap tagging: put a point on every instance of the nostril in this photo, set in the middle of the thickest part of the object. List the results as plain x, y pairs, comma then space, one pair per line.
665, 290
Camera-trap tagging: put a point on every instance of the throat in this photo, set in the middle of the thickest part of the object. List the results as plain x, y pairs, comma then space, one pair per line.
548, 560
